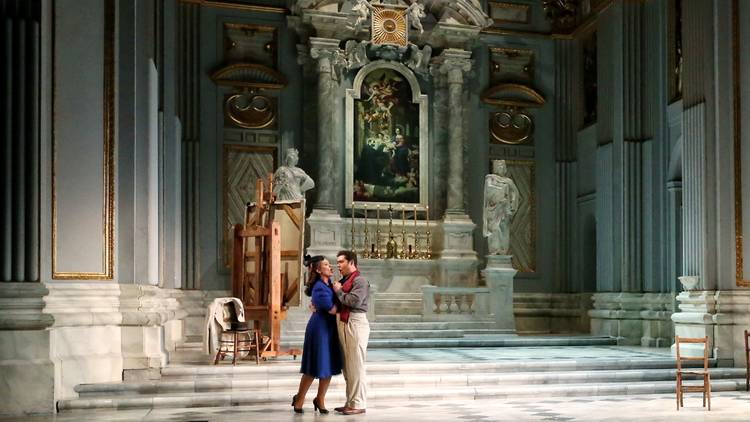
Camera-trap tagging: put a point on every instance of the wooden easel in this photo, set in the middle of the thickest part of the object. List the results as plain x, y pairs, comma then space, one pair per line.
261, 290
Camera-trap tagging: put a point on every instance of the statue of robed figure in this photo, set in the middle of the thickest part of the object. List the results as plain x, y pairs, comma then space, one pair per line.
500, 204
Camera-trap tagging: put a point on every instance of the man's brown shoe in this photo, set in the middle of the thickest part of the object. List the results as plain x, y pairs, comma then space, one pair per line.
351, 411
340, 409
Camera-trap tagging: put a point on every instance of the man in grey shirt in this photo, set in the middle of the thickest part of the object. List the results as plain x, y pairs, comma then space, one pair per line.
354, 331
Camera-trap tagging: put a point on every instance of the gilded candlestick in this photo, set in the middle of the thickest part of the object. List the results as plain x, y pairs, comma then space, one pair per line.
353, 247
377, 232
403, 254
428, 249
390, 246
415, 253
366, 243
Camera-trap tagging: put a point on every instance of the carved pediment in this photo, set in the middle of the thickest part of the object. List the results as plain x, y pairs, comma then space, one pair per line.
511, 94
249, 76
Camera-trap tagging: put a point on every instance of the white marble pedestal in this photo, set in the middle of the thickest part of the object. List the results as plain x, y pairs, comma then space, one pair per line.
327, 233
458, 260
499, 275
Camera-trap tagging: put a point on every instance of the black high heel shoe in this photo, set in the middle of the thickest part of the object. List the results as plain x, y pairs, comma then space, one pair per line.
296, 409
317, 407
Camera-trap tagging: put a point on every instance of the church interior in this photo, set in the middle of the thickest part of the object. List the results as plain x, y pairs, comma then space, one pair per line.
546, 198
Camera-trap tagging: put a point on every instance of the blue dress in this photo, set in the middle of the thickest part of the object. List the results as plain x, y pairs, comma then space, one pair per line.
321, 354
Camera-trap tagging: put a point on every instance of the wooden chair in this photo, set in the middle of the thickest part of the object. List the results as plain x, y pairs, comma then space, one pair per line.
238, 339
747, 360
698, 372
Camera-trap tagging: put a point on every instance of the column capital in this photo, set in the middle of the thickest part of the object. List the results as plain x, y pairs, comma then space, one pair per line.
327, 54
452, 63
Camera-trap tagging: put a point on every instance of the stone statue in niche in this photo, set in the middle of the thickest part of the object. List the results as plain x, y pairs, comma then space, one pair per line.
290, 182
501, 199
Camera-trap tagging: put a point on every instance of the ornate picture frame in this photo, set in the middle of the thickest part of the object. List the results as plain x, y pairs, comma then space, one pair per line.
387, 146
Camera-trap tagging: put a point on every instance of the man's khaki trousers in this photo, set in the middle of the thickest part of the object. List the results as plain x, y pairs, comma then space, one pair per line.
353, 337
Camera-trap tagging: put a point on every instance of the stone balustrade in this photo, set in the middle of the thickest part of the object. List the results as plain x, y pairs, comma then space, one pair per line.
461, 303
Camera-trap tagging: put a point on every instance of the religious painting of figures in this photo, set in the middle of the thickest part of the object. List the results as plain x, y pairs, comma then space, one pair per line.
386, 140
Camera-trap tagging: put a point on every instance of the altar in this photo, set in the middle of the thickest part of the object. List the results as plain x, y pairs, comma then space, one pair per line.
396, 88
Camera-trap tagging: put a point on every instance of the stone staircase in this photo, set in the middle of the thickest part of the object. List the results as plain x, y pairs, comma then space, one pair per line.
532, 375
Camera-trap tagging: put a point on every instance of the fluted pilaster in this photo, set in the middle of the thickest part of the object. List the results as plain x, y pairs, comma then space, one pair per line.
629, 135
695, 184
452, 64
19, 102
188, 109
699, 143
567, 106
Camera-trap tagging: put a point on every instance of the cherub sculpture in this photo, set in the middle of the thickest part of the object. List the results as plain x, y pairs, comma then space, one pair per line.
416, 12
361, 10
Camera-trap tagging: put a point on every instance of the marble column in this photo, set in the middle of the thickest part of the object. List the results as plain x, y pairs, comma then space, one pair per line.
452, 64
324, 51
458, 258
327, 233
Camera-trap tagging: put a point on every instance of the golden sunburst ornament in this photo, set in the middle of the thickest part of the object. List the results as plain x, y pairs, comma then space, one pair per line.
388, 26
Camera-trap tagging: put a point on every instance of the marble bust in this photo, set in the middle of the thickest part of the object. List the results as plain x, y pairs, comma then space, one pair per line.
500, 203
289, 181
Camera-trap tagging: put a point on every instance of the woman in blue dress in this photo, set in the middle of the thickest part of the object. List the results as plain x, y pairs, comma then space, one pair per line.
321, 355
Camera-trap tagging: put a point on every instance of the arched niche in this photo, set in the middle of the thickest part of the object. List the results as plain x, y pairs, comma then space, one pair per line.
380, 164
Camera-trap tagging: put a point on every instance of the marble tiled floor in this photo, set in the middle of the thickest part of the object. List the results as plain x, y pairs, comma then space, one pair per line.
726, 406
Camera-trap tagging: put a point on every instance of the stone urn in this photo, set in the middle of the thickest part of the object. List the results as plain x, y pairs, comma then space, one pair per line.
689, 282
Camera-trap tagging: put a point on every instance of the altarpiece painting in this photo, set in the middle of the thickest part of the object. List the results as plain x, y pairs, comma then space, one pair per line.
387, 138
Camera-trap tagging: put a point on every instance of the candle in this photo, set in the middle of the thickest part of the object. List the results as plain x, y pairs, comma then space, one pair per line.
403, 216
427, 216
365, 216
415, 216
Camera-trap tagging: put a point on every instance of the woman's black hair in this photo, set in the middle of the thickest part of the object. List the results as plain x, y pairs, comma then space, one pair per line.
313, 264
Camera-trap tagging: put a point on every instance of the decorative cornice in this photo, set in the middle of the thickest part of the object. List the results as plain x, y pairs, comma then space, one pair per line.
238, 6
249, 75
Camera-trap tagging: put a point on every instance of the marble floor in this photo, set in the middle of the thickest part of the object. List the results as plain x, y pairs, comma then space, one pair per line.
650, 405
726, 406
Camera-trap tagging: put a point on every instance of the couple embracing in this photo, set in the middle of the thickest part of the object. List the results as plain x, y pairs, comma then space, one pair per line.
336, 334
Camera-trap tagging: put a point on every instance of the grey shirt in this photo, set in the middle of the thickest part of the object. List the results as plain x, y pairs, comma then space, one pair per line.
358, 297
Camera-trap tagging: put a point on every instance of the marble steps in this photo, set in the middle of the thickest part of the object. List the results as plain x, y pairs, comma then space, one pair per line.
398, 318
280, 396
288, 366
475, 341
290, 381
390, 334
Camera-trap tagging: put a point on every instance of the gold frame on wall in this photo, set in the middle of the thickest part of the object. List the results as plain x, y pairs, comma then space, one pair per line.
108, 259
737, 147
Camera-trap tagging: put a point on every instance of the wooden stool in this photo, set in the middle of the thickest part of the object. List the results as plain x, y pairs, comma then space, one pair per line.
706, 387
241, 341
